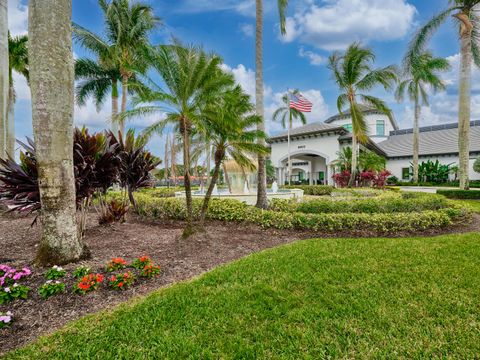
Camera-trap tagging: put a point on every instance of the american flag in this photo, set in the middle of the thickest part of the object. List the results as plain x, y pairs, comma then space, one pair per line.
300, 103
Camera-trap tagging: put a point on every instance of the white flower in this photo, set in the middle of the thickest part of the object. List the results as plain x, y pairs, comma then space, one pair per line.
9, 313
57, 282
48, 281
15, 285
58, 268
7, 289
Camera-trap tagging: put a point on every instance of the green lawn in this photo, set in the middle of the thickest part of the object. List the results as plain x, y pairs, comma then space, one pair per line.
333, 298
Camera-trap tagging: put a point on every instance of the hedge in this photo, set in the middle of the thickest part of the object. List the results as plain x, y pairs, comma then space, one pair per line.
233, 210
368, 205
312, 189
460, 194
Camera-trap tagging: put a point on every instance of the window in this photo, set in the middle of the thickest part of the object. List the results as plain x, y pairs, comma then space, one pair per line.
381, 127
406, 173
348, 127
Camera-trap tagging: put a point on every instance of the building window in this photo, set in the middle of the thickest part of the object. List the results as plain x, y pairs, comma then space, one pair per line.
406, 173
381, 127
348, 127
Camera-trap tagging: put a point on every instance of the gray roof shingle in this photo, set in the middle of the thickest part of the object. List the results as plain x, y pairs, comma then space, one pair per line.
434, 140
312, 128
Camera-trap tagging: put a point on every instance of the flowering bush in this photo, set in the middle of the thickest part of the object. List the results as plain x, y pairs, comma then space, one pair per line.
81, 272
150, 271
5, 319
88, 283
10, 293
122, 281
141, 262
56, 272
9, 275
116, 264
51, 288
341, 179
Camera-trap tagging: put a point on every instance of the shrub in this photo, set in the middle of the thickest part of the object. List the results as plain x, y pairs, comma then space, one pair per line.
10, 293
88, 283
6, 319
162, 192
342, 178
312, 189
122, 281
141, 262
116, 264
81, 272
51, 288
150, 271
114, 211
56, 272
380, 179
476, 165
460, 194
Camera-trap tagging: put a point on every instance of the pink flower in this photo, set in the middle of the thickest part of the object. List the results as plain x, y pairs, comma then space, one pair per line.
5, 319
7, 289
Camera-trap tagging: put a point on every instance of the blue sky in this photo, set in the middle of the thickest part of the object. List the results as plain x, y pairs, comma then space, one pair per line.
315, 28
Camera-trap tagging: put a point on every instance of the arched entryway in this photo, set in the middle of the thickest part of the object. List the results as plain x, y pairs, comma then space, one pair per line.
308, 167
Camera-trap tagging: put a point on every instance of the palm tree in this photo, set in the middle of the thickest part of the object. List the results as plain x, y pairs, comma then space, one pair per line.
420, 75
126, 47
191, 78
282, 114
51, 82
353, 73
229, 123
262, 201
18, 62
468, 22
4, 83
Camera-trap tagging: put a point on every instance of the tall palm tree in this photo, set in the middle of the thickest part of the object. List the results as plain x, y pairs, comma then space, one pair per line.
51, 82
18, 62
353, 74
229, 122
282, 114
262, 201
4, 83
419, 76
465, 14
126, 46
191, 78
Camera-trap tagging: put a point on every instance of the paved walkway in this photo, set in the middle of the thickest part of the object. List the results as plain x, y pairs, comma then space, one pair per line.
425, 189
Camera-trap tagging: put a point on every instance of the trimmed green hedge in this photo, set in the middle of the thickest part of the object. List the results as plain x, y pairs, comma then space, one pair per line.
312, 189
460, 194
368, 205
233, 210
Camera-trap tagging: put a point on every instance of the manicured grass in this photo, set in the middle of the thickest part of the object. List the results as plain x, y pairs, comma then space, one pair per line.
331, 298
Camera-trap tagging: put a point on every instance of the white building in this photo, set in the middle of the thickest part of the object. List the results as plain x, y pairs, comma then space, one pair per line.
314, 147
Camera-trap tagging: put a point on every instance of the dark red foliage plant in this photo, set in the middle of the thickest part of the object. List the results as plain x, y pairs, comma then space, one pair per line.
341, 179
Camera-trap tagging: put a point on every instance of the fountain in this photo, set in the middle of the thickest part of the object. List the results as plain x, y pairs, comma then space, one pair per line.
239, 181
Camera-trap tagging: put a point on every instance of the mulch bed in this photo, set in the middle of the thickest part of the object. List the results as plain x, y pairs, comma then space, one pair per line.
179, 259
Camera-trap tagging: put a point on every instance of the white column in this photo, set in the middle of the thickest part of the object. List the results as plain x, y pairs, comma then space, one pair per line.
310, 180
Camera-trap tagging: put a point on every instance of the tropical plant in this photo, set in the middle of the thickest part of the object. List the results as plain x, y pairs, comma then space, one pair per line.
476, 165
367, 160
229, 123
287, 115
420, 75
52, 83
262, 201
466, 17
191, 78
434, 172
3, 74
353, 74
18, 62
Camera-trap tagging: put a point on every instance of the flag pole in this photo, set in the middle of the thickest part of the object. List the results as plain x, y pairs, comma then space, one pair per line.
288, 139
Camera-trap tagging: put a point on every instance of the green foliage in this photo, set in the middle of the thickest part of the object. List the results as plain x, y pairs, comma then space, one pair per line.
434, 172
312, 189
460, 194
286, 115
56, 272
81, 271
51, 288
476, 165
10, 293
367, 160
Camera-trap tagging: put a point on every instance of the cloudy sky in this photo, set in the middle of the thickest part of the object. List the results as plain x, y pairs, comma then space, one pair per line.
315, 28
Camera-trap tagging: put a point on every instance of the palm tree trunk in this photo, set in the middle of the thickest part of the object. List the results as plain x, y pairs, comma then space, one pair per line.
114, 126
219, 155
173, 155
208, 156
4, 80
165, 175
52, 84
353, 171
464, 100
10, 128
186, 132
416, 139
262, 173
124, 101
227, 180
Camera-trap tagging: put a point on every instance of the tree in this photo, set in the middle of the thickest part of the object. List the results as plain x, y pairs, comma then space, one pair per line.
191, 78
283, 114
353, 73
51, 82
18, 62
4, 83
262, 201
420, 75
125, 49
229, 123
466, 18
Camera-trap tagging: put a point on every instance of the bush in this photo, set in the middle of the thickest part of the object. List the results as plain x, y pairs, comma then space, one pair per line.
460, 194
162, 192
312, 189
51, 288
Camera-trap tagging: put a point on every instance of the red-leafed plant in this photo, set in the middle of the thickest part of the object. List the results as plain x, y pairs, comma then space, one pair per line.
381, 179
113, 211
341, 179
366, 177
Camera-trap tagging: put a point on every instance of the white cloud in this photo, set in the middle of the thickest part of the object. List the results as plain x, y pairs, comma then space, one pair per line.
22, 90
333, 24
17, 17
247, 29
246, 79
244, 7
313, 57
